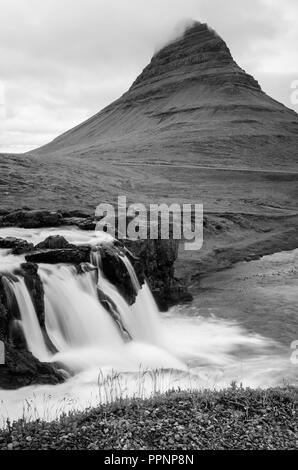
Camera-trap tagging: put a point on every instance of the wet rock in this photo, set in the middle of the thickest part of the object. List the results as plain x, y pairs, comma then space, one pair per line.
3, 316
112, 309
54, 242
87, 224
21, 368
32, 219
82, 223
17, 336
17, 245
35, 288
157, 259
3, 212
76, 255
153, 259
10, 310
115, 271
78, 213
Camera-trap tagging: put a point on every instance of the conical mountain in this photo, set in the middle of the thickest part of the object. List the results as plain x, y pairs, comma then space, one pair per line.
193, 105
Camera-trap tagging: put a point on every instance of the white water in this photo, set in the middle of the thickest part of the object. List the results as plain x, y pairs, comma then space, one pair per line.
29, 321
132, 273
174, 350
141, 319
85, 333
72, 234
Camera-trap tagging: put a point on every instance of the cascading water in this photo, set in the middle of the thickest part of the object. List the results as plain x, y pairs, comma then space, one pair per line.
90, 339
84, 333
29, 322
132, 273
142, 318
74, 317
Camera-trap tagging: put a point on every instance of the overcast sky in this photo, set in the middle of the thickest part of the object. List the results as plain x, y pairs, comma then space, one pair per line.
64, 60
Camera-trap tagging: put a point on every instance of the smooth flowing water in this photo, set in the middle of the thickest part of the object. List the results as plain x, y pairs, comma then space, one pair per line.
188, 347
29, 321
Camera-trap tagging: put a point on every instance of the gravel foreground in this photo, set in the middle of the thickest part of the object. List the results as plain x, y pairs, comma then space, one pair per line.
234, 418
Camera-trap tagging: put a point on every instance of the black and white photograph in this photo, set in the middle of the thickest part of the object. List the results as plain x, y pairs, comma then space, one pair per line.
148, 228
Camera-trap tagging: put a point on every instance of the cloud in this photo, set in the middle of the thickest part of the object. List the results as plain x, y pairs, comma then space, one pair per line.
63, 60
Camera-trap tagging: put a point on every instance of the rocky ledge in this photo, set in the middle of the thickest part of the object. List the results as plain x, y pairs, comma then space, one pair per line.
152, 259
28, 218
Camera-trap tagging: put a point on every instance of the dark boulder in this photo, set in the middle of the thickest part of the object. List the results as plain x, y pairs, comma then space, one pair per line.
32, 219
157, 259
35, 287
81, 214
82, 223
116, 272
3, 212
17, 336
54, 242
21, 368
29, 271
87, 224
112, 309
10, 310
4, 313
76, 255
17, 245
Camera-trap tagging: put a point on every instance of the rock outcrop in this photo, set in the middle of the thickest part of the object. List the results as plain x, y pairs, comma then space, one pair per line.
157, 258
26, 218
22, 369
54, 242
153, 259
31, 219
16, 245
116, 272
76, 255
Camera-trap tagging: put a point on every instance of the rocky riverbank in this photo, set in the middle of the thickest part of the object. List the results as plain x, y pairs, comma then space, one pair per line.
235, 418
230, 238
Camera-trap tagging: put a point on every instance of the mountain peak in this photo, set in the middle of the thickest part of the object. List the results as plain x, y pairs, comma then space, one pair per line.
191, 103
199, 54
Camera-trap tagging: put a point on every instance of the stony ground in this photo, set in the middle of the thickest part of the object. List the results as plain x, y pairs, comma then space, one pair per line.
231, 419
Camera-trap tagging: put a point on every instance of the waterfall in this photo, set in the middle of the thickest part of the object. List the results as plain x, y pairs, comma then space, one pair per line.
144, 351
132, 273
84, 331
29, 322
141, 319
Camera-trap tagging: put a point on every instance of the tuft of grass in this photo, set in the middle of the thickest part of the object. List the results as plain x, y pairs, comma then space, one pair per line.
233, 418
